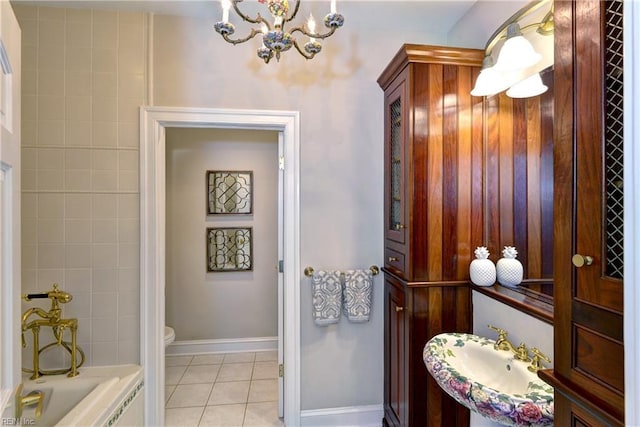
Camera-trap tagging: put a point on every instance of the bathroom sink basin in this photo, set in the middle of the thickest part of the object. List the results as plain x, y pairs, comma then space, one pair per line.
488, 381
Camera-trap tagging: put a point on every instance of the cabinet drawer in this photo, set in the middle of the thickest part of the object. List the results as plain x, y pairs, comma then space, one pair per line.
395, 261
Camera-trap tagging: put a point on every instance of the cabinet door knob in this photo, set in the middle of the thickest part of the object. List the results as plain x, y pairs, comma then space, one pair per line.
392, 259
399, 309
581, 260
400, 226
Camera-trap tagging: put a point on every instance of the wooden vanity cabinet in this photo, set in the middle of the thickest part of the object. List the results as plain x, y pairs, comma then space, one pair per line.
588, 373
415, 312
433, 132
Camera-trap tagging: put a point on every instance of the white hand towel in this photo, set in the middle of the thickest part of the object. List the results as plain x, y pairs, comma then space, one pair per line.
358, 291
327, 297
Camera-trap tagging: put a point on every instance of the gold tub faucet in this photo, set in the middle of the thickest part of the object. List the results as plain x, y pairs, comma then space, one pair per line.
53, 319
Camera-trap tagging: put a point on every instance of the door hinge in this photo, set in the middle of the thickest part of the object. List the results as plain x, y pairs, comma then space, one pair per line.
281, 266
281, 370
281, 163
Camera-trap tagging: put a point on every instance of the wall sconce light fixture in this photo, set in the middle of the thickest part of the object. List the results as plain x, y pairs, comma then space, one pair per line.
515, 56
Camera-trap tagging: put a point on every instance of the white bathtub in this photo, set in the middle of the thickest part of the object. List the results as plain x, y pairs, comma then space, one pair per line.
99, 396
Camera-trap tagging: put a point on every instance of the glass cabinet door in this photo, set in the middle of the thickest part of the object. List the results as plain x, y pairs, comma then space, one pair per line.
395, 146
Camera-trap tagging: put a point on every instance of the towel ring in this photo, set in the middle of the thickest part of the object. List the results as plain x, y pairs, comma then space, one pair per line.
375, 270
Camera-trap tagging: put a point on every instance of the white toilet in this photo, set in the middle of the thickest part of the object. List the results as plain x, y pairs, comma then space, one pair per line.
169, 336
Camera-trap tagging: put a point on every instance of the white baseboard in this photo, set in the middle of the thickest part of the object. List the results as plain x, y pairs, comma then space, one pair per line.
349, 416
236, 345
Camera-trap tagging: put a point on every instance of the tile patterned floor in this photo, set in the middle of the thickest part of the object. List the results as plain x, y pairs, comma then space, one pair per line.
215, 390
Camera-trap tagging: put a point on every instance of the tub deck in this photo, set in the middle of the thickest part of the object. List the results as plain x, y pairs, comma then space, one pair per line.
98, 396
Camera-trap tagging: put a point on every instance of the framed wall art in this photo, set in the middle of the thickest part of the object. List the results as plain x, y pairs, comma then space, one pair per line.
229, 249
229, 192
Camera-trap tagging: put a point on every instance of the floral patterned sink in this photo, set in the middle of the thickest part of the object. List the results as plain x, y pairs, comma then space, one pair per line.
488, 381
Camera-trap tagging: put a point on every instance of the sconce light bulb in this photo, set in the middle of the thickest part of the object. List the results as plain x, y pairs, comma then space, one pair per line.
516, 53
490, 81
527, 88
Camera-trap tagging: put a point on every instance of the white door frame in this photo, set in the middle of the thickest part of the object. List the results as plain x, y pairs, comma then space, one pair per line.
10, 206
631, 213
153, 121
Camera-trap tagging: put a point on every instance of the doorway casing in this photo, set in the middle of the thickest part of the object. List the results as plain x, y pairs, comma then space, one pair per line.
153, 122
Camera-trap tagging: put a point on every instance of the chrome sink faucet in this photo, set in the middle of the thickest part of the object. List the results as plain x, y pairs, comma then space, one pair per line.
502, 343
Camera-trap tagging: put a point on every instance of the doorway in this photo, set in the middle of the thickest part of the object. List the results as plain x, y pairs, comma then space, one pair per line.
153, 123
222, 188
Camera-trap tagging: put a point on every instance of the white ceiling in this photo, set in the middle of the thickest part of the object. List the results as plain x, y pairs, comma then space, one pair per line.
431, 11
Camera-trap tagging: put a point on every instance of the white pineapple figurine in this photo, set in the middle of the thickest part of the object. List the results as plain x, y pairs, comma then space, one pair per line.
509, 269
482, 270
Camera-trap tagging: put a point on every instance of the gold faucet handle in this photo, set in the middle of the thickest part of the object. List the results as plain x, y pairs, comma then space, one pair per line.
536, 362
502, 334
522, 353
54, 294
61, 296
501, 343
540, 355
32, 398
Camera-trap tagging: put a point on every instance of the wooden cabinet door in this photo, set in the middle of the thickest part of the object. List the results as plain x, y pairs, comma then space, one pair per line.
588, 209
396, 175
395, 355
595, 284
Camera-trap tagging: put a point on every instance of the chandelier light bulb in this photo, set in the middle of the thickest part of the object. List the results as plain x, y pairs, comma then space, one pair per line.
226, 5
311, 23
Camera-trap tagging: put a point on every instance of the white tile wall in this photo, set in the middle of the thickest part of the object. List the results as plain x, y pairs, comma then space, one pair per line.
83, 82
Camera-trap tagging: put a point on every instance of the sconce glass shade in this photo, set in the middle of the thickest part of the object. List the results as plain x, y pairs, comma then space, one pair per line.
489, 81
516, 52
529, 87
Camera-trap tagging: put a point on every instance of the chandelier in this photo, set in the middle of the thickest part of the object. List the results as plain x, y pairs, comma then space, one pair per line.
275, 39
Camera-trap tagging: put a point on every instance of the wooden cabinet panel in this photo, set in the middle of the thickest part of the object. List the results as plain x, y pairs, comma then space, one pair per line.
519, 178
588, 301
596, 355
573, 415
394, 354
415, 312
